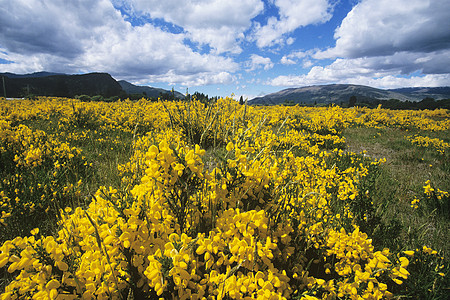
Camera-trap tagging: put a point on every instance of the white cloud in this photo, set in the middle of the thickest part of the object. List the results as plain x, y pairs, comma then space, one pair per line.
391, 82
298, 54
386, 43
290, 40
86, 36
217, 23
307, 64
54, 27
320, 76
384, 27
193, 42
293, 14
382, 71
257, 61
190, 80
294, 57
287, 61
158, 55
379, 71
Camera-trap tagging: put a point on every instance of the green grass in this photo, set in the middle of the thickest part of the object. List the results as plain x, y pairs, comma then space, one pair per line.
104, 148
402, 178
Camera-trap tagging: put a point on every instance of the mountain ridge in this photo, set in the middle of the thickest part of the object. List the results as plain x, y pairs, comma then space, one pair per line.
61, 85
70, 85
149, 91
30, 75
341, 93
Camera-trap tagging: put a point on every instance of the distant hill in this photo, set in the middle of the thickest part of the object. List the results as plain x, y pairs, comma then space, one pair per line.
48, 84
152, 92
337, 93
420, 93
64, 85
30, 75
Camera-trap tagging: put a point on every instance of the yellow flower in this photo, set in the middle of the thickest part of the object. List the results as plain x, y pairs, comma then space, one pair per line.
409, 253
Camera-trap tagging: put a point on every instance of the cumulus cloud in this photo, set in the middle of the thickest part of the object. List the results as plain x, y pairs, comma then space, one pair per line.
285, 60
320, 76
293, 57
384, 27
307, 64
158, 55
189, 80
379, 42
382, 43
217, 23
50, 27
257, 61
382, 71
84, 36
293, 14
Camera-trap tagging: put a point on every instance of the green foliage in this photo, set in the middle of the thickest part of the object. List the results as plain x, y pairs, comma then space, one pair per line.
84, 98
426, 103
38, 184
82, 117
432, 276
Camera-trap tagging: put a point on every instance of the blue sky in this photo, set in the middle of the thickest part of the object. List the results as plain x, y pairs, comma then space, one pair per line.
224, 47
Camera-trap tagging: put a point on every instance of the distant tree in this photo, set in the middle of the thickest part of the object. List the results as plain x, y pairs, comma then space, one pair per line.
241, 100
4, 87
443, 103
84, 98
201, 97
97, 98
61, 89
168, 95
352, 101
427, 103
123, 95
187, 96
288, 103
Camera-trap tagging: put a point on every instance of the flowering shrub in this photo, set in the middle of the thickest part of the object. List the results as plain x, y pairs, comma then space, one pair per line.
39, 176
423, 141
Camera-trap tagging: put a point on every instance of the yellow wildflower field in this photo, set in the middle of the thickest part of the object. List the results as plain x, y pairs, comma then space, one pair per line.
214, 201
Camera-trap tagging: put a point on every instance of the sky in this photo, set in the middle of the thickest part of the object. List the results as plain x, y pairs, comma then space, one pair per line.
222, 48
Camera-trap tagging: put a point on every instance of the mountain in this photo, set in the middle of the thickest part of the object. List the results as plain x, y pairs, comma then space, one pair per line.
152, 92
62, 85
30, 75
337, 93
420, 93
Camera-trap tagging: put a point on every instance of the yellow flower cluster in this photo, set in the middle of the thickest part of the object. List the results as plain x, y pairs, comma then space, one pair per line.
430, 191
426, 142
147, 240
361, 266
415, 203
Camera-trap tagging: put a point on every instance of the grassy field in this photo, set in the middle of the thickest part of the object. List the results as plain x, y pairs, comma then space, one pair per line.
401, 180
147, 199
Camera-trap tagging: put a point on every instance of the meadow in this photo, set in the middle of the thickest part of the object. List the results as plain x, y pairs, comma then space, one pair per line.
192, 200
